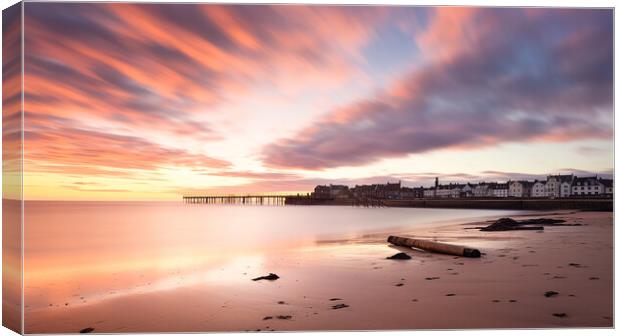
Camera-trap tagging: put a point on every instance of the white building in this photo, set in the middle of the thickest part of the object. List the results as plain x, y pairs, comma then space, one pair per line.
451, 190
443, 191
455, 190
554, 185
587, 186
429, 192
338, 191
609, 186
538, 189
468, 190
499, 189
482, 190
566, 189
520, 189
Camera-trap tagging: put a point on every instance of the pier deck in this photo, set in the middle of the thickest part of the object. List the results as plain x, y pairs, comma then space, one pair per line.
233, 199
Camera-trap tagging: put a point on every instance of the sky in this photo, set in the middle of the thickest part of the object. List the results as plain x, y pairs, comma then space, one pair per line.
155, 101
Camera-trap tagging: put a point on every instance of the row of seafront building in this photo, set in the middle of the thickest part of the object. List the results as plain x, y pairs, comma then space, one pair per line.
555, 186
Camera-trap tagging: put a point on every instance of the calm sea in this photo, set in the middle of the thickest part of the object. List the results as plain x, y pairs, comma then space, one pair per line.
78, 251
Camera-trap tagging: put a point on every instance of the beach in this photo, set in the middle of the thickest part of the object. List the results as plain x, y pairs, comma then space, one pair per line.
348, 284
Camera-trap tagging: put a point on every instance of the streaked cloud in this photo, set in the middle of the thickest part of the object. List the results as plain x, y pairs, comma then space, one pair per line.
495, 75
265, 98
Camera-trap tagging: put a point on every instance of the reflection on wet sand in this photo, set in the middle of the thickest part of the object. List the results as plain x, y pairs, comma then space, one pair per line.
83, 252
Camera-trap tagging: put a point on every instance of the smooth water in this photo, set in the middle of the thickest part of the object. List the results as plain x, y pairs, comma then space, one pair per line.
79, 250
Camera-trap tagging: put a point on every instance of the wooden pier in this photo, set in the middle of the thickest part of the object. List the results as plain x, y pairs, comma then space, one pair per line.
233, 199
282, 200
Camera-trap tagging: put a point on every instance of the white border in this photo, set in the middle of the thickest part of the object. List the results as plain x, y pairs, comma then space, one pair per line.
493, 3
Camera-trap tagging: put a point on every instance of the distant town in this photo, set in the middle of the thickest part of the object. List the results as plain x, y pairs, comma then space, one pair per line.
555, 186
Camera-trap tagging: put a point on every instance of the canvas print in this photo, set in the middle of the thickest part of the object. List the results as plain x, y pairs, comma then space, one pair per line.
191, 167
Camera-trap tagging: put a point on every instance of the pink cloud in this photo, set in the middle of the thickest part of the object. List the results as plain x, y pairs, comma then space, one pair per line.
502, 77
145, 69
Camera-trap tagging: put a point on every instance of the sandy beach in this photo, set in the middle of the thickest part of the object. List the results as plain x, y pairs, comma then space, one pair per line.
350, 285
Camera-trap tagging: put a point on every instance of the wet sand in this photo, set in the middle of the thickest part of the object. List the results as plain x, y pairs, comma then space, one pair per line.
349, 285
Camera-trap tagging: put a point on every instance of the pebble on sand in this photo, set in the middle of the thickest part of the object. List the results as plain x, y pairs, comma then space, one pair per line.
400, 256
551, 293
340, 306
560, 315
271, 277
87, 330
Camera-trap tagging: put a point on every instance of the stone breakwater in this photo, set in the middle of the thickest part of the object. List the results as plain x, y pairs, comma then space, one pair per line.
506, 204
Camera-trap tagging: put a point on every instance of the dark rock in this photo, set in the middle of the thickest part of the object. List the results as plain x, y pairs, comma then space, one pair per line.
284, 317
431, 278
281, 302
340, 306
267, 318
399, 284
561, 315
508, 224
335, 299
87, 330
594, 278
542, 221
451, 294
400, 256
271, 277
471, 253
551, 293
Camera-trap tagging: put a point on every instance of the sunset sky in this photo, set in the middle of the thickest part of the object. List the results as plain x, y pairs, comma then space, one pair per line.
152, 101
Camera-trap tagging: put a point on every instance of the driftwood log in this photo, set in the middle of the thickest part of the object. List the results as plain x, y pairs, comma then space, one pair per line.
434, 246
